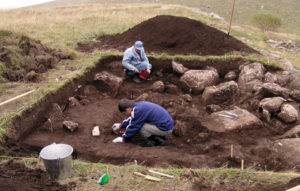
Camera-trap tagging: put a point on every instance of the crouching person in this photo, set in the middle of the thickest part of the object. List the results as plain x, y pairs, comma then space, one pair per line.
150, 120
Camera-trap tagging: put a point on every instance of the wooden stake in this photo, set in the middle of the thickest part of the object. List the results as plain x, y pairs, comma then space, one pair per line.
242, 165
297, 188
17, 97
161, 174
147, 177
229, 27
231, 151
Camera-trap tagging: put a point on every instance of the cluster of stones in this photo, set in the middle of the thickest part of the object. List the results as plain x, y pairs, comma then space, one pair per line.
287, 45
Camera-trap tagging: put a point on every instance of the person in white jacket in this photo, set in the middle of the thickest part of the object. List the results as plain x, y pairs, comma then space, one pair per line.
135, 60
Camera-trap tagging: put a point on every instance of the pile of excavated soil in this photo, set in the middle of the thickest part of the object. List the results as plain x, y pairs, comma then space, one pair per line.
195, 141
15, 176
172, 35
22, 58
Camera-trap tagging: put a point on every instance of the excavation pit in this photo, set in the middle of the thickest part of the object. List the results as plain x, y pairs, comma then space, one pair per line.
89, 101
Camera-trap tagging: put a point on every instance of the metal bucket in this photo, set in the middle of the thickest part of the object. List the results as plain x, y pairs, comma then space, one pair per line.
57, 159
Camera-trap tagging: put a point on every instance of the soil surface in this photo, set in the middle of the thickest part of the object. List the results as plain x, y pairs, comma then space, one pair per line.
172, 35
197, 147
15, 176
23, 58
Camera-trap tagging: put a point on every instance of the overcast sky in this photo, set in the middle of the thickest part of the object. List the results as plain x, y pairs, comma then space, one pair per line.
10, 4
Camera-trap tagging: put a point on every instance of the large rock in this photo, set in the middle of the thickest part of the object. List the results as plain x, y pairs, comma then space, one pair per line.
223, 121
251, 87
197, 80
289, 151
295, 83
281, 78
73, 102
224, 92
158, 86
295, 94
251, 72
178, 68
272, 89
231, 75
288, 113
292, 133
109, 80
272, 104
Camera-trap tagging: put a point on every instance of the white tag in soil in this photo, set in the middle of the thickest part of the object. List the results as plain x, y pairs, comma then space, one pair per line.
96, 131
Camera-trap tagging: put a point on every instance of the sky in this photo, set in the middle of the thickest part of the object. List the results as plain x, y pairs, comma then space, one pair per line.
11, 4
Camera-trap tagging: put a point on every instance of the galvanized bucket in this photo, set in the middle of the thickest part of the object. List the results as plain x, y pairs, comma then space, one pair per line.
57, 159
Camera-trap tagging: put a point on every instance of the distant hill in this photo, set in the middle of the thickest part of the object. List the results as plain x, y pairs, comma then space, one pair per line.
287, 10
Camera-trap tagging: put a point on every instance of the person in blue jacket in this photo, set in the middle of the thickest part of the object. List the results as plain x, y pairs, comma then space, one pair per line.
135, 60
148, 119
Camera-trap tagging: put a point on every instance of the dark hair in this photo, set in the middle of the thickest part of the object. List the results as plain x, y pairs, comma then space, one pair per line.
124, 104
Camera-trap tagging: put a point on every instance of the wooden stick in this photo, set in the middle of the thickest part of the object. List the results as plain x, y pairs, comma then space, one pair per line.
161, 174
297, 188
17, 97
242, 165
147, 177
231, 151
229, 27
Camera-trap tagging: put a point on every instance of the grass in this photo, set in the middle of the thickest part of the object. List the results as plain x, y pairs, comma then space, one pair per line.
86, 174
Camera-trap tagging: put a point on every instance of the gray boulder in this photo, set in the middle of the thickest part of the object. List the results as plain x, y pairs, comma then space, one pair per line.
251, 72
229, 120
272, 89
178, 68
158, 86
295, 94
288, 113
295, 83
196, 81
231, 75
292, 133
272, 104
281, 78
109, 80
224, 92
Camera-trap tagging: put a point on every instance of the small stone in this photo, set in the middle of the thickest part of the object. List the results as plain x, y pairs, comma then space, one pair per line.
70, 126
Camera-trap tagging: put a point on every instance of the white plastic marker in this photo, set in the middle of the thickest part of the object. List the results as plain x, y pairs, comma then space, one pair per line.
227, 116
232, 114
161, 174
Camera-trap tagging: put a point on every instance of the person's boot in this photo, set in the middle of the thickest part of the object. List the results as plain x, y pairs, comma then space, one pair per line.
136, 79
157, 140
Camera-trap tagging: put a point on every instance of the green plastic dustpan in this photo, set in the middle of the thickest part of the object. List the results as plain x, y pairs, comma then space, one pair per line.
104, 178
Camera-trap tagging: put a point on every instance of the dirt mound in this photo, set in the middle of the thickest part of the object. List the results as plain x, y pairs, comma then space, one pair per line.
15, 176
24, 58
172, 35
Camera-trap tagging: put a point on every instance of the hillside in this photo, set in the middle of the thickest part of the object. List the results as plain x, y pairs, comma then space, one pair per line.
287, 10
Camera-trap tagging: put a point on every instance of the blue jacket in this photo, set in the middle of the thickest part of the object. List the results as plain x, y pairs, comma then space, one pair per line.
146, 112
132, 59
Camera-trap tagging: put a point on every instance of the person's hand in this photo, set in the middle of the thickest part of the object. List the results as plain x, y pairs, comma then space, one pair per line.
136, 70
116, 126
118, 140
149, 71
